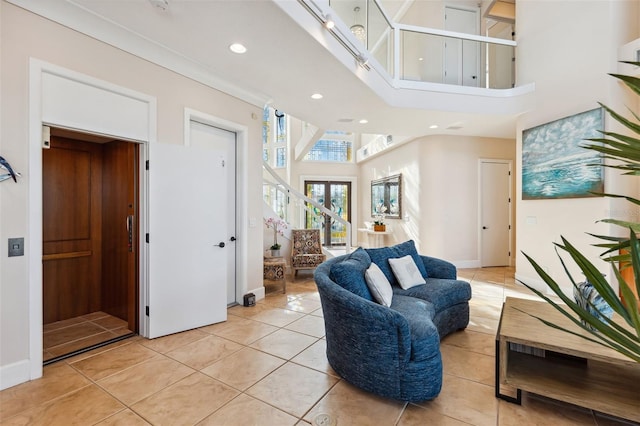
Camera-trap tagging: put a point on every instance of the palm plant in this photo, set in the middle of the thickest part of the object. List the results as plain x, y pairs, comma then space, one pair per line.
622, 336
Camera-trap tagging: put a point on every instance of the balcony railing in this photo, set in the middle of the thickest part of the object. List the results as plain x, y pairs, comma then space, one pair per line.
417, 54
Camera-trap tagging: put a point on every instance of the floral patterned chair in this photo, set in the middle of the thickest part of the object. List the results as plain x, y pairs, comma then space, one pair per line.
306, 250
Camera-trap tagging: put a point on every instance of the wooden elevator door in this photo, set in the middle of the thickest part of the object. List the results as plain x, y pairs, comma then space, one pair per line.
89, 203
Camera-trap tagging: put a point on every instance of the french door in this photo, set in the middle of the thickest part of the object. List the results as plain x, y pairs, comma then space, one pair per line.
335, 196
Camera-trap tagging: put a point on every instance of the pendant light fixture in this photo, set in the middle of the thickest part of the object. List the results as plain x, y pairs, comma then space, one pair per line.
358, 30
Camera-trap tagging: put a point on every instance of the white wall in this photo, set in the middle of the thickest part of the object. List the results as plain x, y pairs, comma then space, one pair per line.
23, 36
439, 192
567, 48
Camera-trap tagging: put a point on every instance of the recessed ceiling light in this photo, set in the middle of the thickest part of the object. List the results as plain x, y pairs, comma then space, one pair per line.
363, 121
345, 120
237, 48
433, 126
421, 59
316, 96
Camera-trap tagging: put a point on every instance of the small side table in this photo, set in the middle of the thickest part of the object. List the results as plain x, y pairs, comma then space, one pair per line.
274, 268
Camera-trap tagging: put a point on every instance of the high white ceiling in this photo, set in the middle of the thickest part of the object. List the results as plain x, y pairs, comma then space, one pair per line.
285, 63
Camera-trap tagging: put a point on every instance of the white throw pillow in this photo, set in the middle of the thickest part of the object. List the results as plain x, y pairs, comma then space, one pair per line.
379, 285
406, 272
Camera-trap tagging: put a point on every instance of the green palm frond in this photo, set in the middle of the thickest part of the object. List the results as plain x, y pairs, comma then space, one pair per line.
622, 335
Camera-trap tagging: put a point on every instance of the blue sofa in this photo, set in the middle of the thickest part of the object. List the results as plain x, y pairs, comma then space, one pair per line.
391, 351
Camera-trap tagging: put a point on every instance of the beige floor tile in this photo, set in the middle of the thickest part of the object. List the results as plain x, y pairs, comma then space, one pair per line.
57, 380
107, 363
481, 289
536, 412
86, 406
284, 343
303, 305
204, 352
248, 411
472, 341
315, 356
244, 369
186, 402
292, 388
484, 308
277, 317
414, 415
109, 347
250, 311
124, 418
246, 331
318, 313
173, 341
483, 325
465, 400
350, 406
67, 334
145, 379
468, 365
232, 320
313, 326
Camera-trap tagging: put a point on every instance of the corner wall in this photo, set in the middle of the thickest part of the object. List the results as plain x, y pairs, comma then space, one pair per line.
439, 192
567, 48
25, 35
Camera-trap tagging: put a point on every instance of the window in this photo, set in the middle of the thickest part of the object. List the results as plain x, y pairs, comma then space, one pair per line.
334, 146
275, 137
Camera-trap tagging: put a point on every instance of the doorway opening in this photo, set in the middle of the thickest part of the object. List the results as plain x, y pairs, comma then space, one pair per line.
90, 219
335, 196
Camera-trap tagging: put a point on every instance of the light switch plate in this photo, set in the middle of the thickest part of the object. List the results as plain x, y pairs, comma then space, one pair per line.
16, 247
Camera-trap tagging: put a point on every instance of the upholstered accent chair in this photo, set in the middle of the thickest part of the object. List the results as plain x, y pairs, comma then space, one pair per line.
306, 250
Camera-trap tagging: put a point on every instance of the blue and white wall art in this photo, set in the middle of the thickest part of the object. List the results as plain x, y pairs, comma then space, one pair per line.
554, 163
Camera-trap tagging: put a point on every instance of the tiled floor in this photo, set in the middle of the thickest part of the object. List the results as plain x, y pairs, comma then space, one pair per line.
64, 337
266, 366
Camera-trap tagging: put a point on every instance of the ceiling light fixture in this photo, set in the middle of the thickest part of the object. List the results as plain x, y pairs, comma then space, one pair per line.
237, 48
329, 23
433, 126
160, 4
358, 30
316, 96
363, 121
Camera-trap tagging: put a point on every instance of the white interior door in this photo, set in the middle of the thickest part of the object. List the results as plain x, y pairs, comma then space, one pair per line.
461, 57
495, 207
187, 268
207, 136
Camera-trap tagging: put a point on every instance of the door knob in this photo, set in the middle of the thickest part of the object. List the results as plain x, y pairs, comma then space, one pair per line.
232, 239
484, 227
221, 244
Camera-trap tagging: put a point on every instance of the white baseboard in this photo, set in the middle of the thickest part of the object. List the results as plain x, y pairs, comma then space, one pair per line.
536, 283
464, 264
14, 374
259, 292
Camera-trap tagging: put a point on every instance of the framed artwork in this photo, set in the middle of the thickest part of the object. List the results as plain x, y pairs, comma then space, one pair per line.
554, 163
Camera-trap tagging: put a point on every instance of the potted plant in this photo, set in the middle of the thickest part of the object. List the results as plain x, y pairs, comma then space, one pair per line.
278, 226
622, 336
378, 223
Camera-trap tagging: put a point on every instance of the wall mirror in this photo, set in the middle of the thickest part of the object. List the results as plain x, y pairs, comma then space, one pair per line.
387, 192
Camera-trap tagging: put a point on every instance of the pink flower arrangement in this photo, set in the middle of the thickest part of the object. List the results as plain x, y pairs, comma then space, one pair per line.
278, 226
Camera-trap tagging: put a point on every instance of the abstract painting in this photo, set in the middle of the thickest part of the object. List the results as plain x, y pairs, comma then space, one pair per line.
554, 163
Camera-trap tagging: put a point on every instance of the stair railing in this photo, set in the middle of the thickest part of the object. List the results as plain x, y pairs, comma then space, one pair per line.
314, 203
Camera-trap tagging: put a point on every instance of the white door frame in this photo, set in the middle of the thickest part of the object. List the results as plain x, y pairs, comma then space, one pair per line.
134, 119
480, 197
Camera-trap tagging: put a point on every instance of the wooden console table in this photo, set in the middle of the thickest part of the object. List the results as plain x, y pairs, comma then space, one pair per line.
536, 358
